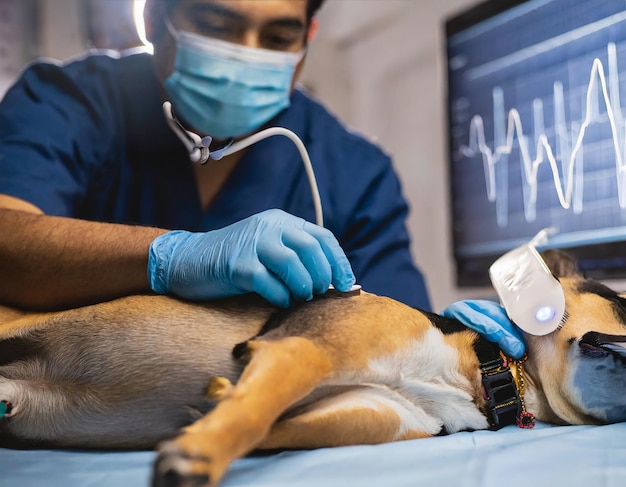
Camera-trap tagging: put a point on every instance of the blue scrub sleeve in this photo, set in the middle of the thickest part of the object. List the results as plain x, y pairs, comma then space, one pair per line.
377, 241
51, 133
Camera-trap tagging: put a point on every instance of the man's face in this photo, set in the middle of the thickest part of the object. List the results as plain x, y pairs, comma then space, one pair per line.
278, 25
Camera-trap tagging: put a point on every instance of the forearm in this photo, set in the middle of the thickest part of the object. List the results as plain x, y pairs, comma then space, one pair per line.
51, 262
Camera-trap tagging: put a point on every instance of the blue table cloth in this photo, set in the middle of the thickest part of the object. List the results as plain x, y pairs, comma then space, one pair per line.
547, 456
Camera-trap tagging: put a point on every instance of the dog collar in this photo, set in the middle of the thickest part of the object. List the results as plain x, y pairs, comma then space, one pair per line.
504, 396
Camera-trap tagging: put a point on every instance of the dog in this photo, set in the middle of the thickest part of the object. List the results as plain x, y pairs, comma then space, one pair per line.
208, 383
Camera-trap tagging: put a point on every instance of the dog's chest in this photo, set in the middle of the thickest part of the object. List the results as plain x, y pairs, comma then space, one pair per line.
423, 383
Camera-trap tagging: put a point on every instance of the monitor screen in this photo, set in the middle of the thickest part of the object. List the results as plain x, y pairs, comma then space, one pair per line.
537, 131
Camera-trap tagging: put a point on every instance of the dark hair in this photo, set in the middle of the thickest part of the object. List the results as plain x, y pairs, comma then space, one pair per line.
312, 6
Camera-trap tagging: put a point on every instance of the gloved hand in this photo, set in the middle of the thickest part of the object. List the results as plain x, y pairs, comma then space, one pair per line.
490, 320
275, 254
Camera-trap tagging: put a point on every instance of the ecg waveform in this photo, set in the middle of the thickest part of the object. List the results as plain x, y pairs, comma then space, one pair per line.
568, 181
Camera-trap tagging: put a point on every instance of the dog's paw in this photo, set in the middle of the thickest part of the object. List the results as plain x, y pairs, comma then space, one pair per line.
174, 467
219, 387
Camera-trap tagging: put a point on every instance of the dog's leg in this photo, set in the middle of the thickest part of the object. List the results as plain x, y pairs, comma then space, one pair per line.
279, 373
9, 314
15, 323
363, 415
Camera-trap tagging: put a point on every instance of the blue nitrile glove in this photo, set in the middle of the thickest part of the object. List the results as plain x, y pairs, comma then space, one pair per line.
490, 320
274, 254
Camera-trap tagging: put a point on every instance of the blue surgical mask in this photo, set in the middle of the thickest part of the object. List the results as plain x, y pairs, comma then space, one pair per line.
225, 89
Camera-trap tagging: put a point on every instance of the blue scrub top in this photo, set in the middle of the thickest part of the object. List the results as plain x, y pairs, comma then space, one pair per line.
88, 139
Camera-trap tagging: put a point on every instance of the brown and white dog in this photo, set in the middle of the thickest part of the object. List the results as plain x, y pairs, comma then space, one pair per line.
339, 370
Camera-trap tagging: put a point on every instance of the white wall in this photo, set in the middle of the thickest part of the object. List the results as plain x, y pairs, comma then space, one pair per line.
60, 31
379, 64
16, 39
37, 28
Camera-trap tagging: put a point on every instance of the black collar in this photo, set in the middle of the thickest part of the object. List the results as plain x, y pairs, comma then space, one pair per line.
504, 405
504, 401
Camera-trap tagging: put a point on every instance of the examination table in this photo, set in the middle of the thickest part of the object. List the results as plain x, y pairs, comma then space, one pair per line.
546, 456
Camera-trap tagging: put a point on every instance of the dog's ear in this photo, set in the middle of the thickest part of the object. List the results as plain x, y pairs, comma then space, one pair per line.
560, 263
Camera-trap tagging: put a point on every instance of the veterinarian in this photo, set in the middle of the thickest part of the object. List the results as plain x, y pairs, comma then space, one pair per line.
99, 197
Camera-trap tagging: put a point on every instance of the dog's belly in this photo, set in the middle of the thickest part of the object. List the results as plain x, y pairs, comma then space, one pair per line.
422, 384
122, 374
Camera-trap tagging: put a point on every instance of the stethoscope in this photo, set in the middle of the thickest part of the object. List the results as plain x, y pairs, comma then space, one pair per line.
199, 153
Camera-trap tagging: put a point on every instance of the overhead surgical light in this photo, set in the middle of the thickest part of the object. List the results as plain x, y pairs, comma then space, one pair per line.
138, 6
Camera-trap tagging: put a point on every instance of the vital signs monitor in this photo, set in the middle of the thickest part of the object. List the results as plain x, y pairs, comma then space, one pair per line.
537, 131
